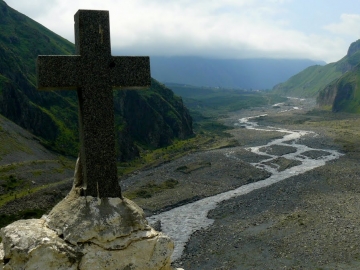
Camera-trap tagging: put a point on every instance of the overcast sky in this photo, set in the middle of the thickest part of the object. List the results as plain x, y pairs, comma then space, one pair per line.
312, 29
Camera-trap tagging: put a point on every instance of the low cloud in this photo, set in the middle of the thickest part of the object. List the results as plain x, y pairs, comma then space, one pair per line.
213, 28
33, 8
349, 25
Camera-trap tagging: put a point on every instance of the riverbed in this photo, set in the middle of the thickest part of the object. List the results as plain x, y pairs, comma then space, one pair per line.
282, 157
308, 221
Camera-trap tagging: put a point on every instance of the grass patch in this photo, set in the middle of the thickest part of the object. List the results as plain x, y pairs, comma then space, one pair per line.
213, 100
6, 198
149, 189
37, 172
179, 148
11, 183
193, 167
8, 168
9, 144
344, 128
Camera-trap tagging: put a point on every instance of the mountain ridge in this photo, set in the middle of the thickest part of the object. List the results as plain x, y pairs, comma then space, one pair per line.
257, 73
312, 80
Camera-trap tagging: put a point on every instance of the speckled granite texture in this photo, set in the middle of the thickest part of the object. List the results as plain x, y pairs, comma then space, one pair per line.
93, 72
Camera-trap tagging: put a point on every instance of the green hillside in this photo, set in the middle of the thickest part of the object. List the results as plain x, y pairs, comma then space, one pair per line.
309, 82
215, 101
52, 116
312, 80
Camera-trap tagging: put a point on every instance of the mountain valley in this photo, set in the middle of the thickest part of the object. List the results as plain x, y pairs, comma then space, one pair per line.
185, 145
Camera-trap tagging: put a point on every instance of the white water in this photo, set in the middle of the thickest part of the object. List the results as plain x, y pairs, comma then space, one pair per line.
179, 223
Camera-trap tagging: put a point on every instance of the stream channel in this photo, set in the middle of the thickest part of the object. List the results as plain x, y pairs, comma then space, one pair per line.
179, 223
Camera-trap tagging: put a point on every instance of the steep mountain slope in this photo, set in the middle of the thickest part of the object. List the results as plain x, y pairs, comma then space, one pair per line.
27, 167
312, 80
18, 145
149, 118
231, 73
21, 40
23, 157
343, 95
52, 116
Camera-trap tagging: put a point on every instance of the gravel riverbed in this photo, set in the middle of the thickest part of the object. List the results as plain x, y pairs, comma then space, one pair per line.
308, 221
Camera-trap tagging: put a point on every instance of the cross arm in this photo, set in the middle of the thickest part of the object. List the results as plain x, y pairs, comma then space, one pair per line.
130, 72
57, 72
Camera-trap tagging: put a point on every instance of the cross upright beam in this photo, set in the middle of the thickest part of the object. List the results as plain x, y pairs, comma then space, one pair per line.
94, 72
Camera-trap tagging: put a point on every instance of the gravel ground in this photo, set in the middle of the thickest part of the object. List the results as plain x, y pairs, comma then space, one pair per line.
309, 221
24, 162
305, 222
41, 200
198, 175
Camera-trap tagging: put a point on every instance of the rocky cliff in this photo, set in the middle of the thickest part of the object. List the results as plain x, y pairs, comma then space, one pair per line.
343, 94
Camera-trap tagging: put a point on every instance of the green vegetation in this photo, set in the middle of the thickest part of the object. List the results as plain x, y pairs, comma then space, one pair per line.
21, 41
208, 106
11, 183
344, 128
10, 143
309, 82
24, 191
20, 179
193, 167
154, 157
53, 115
312, 80
343, 95
148, 190
211, 101
335, 85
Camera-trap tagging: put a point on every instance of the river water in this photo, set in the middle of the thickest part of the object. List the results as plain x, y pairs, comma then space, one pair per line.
179, 223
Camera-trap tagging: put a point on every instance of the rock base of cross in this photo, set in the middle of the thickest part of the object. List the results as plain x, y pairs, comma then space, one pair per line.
86, 233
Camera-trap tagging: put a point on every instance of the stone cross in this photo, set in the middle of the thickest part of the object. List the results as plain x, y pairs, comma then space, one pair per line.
94, 72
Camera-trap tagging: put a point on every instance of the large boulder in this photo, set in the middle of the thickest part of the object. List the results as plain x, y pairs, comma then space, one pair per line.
86, 233
1, 256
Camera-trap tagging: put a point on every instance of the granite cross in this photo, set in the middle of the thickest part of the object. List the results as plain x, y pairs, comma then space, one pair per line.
94, 72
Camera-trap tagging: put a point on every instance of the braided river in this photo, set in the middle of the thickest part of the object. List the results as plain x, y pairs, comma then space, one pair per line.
181, 222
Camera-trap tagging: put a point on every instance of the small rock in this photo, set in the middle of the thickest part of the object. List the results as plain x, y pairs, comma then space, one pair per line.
157, 225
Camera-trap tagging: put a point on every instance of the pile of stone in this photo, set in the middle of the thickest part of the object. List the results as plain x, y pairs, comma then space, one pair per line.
86, 233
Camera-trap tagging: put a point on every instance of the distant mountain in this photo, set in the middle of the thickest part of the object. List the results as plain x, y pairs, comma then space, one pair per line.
231, 73
309, 82
150, 118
